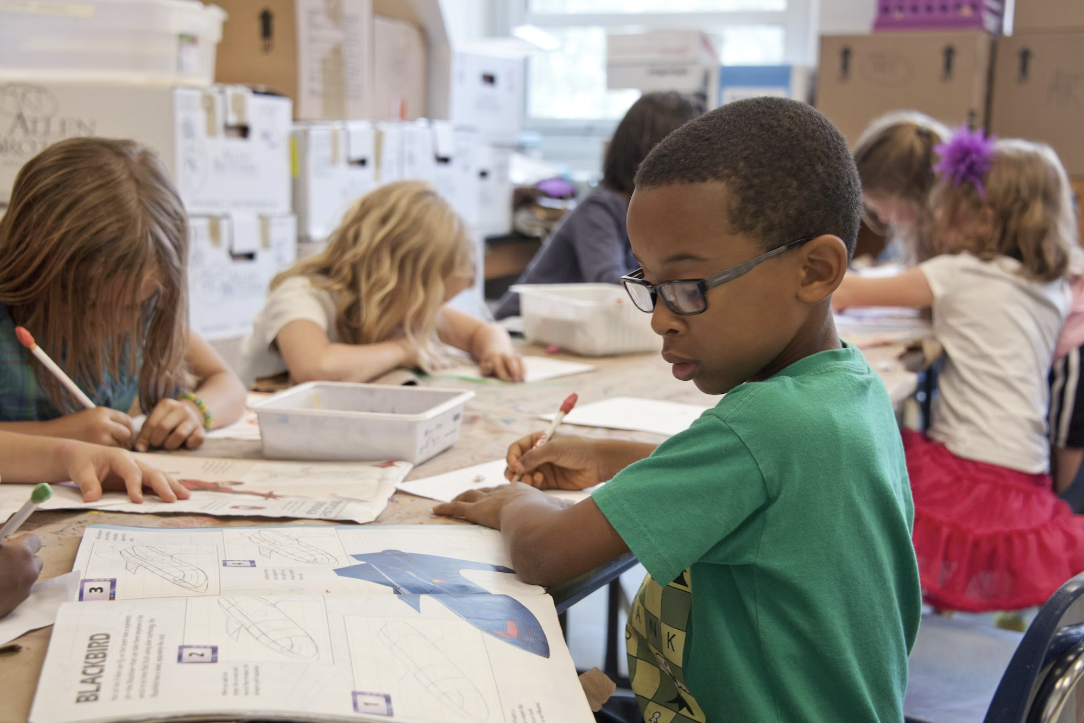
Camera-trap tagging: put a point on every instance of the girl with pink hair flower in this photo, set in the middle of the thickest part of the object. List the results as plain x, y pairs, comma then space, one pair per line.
989, 532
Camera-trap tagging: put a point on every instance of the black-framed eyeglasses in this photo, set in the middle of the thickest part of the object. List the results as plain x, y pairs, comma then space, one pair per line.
689, 297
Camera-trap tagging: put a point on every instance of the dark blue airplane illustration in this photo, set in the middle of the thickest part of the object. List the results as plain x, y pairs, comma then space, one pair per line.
410, 575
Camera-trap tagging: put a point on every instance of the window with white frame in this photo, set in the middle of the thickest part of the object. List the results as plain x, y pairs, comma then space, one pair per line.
567, 86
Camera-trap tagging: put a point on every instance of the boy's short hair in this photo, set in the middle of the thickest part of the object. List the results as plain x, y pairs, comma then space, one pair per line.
788, 168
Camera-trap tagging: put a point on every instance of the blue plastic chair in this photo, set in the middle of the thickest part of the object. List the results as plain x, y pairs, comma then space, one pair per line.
962, 672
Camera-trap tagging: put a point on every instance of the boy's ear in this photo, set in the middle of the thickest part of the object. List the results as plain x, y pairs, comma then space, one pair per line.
824, 263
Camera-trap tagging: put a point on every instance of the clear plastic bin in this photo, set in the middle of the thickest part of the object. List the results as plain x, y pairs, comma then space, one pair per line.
167, 42
587, 319
357, 422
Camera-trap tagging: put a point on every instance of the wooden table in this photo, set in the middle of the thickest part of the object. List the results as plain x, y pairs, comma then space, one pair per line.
498, 415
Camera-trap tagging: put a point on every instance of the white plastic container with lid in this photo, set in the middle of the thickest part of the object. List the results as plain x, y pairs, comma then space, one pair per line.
587, 319
166, 42
342, 421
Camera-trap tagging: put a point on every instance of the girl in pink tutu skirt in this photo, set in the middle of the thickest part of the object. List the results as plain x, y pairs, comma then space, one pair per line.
989, 532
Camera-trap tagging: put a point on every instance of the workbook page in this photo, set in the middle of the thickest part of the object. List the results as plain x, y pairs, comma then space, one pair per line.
343, 491
638, 415
125, 563
471, 658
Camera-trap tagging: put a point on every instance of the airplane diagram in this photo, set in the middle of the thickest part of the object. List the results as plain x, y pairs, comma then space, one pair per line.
269, 625
167, 566
412, 574
273, 542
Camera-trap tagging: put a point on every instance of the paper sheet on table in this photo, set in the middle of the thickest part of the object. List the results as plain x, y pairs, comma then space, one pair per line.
445, 487
350, 491
425, 623
539, 369
39, 610
636, 415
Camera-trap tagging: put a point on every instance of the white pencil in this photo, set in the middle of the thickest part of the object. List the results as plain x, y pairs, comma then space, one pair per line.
565, 409
27, 340
40, 494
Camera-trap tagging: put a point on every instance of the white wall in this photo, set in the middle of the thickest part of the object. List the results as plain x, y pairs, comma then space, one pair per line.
846, 16
467, 20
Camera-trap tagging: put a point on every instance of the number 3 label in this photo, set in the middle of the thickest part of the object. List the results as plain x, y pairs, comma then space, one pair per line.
98, 589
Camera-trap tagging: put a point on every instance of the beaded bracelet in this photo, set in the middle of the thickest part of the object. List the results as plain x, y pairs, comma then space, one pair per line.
201, 405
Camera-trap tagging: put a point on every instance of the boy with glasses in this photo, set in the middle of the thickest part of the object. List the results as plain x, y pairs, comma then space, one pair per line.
782, 581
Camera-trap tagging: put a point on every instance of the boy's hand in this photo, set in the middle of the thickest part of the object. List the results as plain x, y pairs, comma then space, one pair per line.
170, 424
19, 570
96, 468
483, 507
100, 425
506, 366
562, 463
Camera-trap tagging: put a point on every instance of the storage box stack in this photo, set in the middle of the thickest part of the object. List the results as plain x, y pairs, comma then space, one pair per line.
943, 73
681, 60
1038, 89
737, 82
226, 147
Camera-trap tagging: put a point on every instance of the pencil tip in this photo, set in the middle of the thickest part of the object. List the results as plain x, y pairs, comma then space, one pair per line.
25, 338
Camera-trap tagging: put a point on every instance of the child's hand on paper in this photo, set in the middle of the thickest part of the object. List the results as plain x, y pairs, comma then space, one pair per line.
19, 570
505, 365
170, 424
95, 468
562, 463
100, 425
483, 507
841, 297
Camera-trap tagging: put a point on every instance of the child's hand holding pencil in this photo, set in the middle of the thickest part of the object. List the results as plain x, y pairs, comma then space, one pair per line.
562, 463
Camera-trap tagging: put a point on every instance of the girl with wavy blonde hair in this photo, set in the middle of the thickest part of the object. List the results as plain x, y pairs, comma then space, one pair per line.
94, 247
989, 531
375, 298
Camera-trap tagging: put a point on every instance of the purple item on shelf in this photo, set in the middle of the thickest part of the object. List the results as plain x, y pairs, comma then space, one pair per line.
939, 15
556, 188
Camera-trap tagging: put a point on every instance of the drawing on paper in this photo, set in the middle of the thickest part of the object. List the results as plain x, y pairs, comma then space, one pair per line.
413, 574
433, 669
272, 542
227, 487
269, 625
169, 567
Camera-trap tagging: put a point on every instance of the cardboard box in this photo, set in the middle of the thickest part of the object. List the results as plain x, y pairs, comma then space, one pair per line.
335, 165
399, 70
1053, 15
314, 51
681, 60
737, 82
1039, 93
487, 94
231, 261
494, 190
226, 147
388, 148
942, 74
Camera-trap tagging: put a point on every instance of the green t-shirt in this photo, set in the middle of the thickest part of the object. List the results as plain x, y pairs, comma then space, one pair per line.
783, 517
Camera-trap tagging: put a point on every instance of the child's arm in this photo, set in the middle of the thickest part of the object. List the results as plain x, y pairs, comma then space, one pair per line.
19, 570
489, 344
43, 459
548, 542
311, 357
174, 422
568, 462
909, 289
100, 425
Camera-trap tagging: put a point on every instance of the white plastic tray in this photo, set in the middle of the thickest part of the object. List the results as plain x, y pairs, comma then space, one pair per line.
342, 421
587, 319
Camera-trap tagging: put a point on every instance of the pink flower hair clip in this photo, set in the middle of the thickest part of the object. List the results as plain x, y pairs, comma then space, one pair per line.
966, 157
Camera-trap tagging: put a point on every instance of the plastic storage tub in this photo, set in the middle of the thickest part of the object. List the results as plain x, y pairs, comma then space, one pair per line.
341, 421
169, 42
587, 319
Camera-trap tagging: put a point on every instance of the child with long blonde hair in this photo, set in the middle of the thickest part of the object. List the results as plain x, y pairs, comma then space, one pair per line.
375, 299
94, 246
895, 158
989, 532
